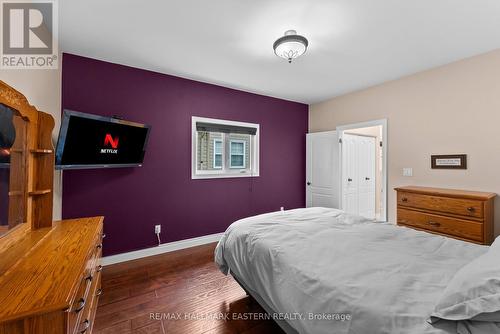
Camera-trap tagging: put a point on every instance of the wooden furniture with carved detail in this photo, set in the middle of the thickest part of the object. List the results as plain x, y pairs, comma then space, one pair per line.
50, 272
459, 214
50, 281
32, 162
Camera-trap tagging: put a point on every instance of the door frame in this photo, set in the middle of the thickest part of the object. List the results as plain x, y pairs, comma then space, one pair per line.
340, 132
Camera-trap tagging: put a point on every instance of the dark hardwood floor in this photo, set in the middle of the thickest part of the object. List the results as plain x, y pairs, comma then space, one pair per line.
177, 292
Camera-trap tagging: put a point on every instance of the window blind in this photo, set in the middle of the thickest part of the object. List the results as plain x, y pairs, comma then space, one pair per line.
212, 127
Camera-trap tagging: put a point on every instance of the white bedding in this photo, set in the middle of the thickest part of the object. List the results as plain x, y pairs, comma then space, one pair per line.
323, 261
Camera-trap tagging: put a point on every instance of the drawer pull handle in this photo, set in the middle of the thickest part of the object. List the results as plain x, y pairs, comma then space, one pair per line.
89, 278
471, 209
404, 199
98, 293
367, 178
81, 305
99, 268
104, 235
349, 180
86, 326
99, 246
435, 224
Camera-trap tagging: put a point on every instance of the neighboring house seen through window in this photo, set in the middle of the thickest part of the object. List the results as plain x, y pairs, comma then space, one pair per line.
237, 149
224, 148
217, 153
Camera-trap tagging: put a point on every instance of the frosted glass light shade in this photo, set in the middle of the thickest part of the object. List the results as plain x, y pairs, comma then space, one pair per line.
290, 46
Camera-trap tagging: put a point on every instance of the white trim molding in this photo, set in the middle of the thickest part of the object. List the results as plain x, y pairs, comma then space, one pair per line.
163, 248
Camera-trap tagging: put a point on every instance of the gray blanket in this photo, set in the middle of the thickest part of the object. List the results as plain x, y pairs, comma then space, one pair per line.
331, 272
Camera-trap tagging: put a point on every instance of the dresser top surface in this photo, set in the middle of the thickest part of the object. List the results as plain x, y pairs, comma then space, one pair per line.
40, 269
480, 195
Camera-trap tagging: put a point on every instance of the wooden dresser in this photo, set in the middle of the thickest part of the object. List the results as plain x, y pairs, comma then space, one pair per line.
459, 214
50, 278
50, 272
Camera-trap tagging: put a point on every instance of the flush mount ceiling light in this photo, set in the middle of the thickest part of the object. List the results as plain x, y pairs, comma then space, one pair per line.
290, 46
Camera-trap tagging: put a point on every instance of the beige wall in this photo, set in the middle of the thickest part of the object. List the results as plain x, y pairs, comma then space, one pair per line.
450, 109
42, 88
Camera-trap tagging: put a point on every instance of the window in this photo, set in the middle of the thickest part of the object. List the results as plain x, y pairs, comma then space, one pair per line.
224, 148
237, 156
217, 153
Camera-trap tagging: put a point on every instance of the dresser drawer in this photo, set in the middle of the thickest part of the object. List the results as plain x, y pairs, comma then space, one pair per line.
81, 300
85, 323
457, 227
457, 206
79, 319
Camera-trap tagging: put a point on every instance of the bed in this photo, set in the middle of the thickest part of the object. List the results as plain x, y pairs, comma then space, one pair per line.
321, 270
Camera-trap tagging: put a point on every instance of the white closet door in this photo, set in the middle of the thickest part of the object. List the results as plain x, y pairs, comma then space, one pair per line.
350, 178
366, 176
322, 169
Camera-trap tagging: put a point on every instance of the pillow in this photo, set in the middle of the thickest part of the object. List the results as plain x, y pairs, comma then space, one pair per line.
474, 292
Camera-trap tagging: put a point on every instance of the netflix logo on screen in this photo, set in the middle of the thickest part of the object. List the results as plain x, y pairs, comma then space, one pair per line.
92, 141
110, 141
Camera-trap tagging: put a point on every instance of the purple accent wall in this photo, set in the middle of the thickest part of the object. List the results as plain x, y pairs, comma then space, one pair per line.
133, 200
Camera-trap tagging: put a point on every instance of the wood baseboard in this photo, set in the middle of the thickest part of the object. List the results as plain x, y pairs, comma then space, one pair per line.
163, 248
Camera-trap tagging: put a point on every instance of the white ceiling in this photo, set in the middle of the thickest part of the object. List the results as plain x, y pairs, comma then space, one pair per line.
353, 44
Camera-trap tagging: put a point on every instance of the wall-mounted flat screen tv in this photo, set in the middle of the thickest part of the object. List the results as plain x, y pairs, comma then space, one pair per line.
92, 141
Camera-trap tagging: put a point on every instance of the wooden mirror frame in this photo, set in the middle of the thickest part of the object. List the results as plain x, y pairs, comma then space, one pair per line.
39, 177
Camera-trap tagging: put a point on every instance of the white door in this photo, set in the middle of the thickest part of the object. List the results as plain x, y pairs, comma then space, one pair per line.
358, 175
322, 168
350, 174
366, 176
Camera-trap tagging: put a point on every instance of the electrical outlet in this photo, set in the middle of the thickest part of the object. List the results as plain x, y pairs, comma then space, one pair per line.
157, 229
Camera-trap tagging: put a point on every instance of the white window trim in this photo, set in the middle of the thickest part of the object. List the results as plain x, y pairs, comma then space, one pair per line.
231, 141
216, 174
217, 140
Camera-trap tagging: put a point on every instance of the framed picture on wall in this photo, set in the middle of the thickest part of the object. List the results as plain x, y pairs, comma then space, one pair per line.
449, 161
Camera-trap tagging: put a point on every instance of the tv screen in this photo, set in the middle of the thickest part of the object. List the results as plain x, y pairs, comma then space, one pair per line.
91, 141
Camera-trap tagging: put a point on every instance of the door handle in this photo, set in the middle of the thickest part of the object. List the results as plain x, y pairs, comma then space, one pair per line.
308, 183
